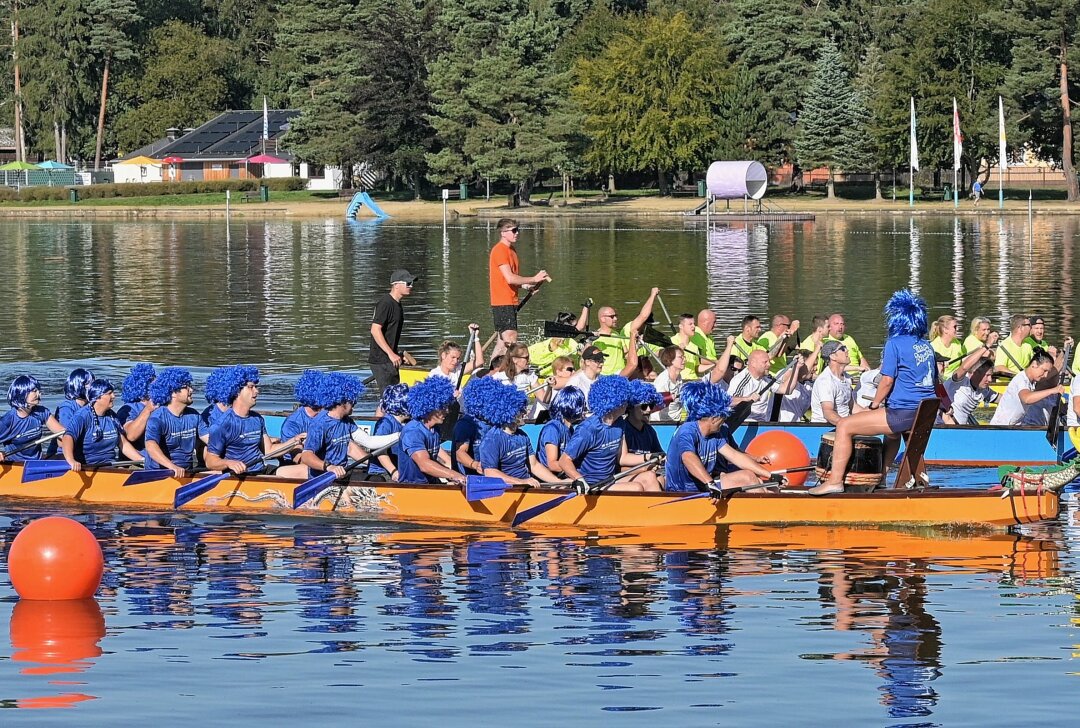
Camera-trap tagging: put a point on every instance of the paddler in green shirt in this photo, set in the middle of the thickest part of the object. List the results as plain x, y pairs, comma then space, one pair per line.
696, 353
543, 353
837, 329
1014, 352
976, 339
746, 343
776, 340
945, 340
1037, 337
614, 342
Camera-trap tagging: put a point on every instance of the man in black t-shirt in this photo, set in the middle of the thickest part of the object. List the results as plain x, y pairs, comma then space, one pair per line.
386, 330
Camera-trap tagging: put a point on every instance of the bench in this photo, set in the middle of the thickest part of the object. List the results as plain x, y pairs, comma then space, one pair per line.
346, 194
252, 196
684, 191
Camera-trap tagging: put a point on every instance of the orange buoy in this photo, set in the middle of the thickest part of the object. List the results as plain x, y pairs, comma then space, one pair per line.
55, 558
784, 451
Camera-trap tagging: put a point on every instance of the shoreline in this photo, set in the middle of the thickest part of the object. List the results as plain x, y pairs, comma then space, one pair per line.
636, 206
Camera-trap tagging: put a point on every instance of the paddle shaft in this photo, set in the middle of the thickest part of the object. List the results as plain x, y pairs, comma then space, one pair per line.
666, 314
27, 445
741, 412
1054, 425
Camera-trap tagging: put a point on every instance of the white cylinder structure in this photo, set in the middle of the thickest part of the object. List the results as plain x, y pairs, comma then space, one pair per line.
735, 180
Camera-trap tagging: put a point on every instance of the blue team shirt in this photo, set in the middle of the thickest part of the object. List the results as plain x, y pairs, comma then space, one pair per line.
97, 438
17, 431
175, 435
639, 442
910, 361
554, 432
65, 412
387, 425
471, 430
297, 422
415, 438
211, 416
506, 452
688, 438
329, 438
239, 438
128, 412
594, 447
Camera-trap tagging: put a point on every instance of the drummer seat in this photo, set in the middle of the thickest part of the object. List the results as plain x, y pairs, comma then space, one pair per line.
912, 470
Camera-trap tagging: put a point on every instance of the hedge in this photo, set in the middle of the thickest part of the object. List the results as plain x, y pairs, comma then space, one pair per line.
151, 189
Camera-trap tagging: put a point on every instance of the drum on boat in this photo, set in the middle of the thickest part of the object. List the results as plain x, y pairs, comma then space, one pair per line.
867, 464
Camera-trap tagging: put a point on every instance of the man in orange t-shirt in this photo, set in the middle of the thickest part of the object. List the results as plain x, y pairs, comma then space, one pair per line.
504, 283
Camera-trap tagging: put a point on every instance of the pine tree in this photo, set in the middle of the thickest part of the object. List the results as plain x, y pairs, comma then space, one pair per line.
111, 41
832, 126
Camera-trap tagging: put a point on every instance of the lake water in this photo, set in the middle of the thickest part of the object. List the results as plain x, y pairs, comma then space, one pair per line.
275, 621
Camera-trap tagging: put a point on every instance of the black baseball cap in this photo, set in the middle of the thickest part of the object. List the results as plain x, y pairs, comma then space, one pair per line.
402, 276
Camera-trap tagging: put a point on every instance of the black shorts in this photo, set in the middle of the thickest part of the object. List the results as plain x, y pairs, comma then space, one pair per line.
385, 373
505, 318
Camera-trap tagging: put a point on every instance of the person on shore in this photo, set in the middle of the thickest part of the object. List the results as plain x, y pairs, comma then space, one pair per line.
615, 342
670, 383
567, 412
137, 405
504, 282
777, 340
25, 422
74, 395
329, 444
239, 439
945, 338
1014, 353
450, 354
699, 456
1022, 394
979, 331
387, 321
592, 455
746, 342
976, 191
96, 434
505, 450
173, 427
908, 374
838, 332
421, 458
395, 413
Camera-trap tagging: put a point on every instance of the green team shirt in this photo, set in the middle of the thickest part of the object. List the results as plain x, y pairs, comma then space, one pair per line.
767, 340
614, 347
743, 349
955, 350
541, 354
971, 344
854, 352
1033, 342
1022, 353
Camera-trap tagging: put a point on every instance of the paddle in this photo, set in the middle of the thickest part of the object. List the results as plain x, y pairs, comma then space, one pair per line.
530, 513
520, 305
1053, 427
666, 314
34, 470
27, 445
742, 410
187, 493
446, 429
479, 487
312, 487
776, 477
150, 475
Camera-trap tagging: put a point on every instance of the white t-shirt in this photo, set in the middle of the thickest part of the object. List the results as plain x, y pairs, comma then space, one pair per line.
868, 384
744, 384
582, 382
966, 399
796, 403
830, 388
525, 381
673, 412
1010, 410
1074, 394
452, 376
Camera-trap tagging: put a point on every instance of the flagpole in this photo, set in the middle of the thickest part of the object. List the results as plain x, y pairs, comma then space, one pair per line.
913, 157
956, 156
1003, 164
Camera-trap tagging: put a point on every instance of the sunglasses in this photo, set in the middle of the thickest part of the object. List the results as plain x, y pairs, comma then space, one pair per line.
568, 369
513, 230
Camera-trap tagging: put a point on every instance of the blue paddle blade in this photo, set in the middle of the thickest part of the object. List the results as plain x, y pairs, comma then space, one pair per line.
191, 491
530, 513
43, 469
692, 496
478, 487
148, 476
311, 488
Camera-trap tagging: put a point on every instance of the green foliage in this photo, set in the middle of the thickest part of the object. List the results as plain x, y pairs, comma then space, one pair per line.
832, 126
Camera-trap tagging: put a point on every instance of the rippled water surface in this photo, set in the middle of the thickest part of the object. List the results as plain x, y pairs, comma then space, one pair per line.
209, 619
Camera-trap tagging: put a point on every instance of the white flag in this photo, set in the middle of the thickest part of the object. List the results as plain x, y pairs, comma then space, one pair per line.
1002, 160
914, 143
958, 139
266, 120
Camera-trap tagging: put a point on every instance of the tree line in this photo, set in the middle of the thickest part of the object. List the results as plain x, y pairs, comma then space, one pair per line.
514, 91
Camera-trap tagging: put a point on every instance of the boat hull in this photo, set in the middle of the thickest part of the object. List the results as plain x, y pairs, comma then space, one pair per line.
446, 504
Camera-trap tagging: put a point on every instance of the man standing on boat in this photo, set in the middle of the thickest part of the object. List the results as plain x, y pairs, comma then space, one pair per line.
504, 282
386, 323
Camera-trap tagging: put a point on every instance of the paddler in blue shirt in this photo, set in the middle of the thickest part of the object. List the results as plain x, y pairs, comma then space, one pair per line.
137, 405
239, 439
215, 390
329, 443
174, 425
25, 422
395, 413
96, 433
74, 395
505, 451
699, 456
422, 460
640, 441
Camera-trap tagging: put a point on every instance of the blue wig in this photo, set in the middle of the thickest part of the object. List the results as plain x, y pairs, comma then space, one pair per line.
645, 393
905, 315
477, 391
501, 405
23, 385
430, 396
97, 388
395, 400
216, 385
136, 385
168, 381
569, 404
77, 382
306, 389
608, 393
703, 399
337, 388
235, 379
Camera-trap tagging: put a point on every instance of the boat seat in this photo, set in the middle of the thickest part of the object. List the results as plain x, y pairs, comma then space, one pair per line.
912, 470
